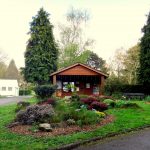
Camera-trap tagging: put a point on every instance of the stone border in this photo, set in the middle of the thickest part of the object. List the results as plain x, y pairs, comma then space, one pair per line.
77, 144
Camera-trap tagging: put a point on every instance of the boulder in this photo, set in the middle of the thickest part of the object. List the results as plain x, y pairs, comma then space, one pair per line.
45, 127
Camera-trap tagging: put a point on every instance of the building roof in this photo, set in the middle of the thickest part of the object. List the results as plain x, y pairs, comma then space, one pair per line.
8, 82
76, 64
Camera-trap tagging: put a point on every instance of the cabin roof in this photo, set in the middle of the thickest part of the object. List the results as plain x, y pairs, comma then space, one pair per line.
78, 64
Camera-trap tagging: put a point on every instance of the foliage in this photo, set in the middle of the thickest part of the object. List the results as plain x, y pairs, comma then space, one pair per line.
101, 114
3, 68
45, 91
120, 103
35, 113
144, 69
98, 106
123, 68
147, 98
96, 62
50, 101
130, 105
86, 117
117, 88
88, 100
21, 106
73, 45
83, 96
111, 103
24, 92
71, 122
70, 55
131, 64
12, 71
41, 51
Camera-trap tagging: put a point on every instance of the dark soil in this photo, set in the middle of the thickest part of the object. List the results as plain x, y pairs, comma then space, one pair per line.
25, 129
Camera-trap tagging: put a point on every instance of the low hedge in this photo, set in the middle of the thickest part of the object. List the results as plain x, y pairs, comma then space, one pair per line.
24, 92
117, 88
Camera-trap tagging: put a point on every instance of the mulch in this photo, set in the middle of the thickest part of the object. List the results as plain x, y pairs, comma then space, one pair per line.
24, 129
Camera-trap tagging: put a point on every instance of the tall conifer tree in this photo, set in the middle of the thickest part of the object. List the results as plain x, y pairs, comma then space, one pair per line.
144, 70
41, 51
12, 71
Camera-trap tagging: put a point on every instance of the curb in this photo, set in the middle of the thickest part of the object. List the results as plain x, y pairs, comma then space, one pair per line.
77, 144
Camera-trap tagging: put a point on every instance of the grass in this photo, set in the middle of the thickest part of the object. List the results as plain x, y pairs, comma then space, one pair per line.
126, 119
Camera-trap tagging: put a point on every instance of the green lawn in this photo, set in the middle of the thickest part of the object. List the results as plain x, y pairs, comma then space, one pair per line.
126, 119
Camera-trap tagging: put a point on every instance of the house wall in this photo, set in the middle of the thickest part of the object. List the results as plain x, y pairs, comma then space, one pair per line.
9, 88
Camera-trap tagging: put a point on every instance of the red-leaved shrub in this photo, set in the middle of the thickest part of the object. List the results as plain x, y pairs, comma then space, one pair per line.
98, 106
88, 100
49, 101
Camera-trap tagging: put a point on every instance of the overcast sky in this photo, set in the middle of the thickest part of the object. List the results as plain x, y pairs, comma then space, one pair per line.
113, 23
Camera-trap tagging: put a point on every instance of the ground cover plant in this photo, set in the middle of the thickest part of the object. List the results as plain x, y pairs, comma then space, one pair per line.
125, 119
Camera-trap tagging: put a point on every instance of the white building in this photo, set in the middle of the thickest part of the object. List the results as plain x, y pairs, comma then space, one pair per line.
9, 87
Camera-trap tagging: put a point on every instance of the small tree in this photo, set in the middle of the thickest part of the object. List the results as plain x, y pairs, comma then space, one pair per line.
41, 51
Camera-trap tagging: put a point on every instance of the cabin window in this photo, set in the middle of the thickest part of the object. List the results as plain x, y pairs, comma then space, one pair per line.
95, 90
68, 86
59, 85
3, 88
9, 88
87, 85
65, 89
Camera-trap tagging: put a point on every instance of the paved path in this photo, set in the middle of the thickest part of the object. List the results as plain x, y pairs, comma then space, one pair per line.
139, 140
8, 100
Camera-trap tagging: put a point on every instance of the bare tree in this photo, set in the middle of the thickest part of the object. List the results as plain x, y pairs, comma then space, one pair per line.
72, 34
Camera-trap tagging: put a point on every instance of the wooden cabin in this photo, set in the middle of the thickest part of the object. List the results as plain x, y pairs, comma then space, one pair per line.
80, 78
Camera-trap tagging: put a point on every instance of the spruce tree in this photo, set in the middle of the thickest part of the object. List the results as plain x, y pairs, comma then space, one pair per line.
41, 51
144, 70
12, 71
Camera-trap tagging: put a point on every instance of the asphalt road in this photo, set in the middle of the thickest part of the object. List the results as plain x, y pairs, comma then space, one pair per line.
139, 140
8, 100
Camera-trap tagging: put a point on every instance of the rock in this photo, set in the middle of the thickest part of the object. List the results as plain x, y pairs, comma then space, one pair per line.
45, 127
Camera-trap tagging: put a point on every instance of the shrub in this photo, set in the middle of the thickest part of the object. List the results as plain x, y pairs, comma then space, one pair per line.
35, 113
50, 101
102, 98
88, 100
130, 105
75, 98
147, 98
75, 101
45, 91
120, 103
111, 103
83, 96
98, 106
86, 117
21, 106
71, 122
24, 92
101, 114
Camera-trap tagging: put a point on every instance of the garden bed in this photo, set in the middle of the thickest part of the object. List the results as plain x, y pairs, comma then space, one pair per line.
25, 129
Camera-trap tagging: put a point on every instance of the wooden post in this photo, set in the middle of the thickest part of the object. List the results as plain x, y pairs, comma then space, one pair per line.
54, 83
54, 80
102, 81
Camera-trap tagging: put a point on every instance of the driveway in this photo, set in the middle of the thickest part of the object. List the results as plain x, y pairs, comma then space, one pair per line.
8, 100
139, 140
